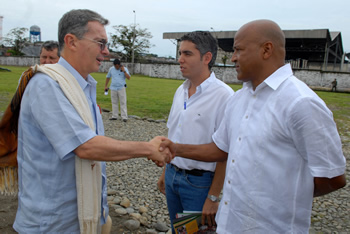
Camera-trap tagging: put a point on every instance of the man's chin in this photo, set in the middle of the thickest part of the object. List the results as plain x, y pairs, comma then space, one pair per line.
243, 79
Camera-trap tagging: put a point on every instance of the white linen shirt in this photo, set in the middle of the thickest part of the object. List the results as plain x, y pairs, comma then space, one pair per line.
278, 138
194, 120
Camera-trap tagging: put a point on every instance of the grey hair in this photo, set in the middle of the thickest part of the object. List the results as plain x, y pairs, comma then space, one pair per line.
50, 46
75, 22
205, 42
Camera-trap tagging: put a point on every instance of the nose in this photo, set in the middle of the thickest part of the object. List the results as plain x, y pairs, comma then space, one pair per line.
234, 57
180, 59
48, 61
105, 51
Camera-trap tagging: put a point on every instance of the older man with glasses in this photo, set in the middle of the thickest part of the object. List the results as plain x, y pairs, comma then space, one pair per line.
60, 136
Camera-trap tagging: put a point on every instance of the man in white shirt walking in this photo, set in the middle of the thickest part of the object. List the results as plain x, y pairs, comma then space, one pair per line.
197, 111
281, 140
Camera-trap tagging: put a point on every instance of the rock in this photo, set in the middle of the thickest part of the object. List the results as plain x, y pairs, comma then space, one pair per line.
162, 227
130, 210
121, 211
111, 192
143, 220
136, 216
143, 209
132, 224
116, 200
125, 202
151, 231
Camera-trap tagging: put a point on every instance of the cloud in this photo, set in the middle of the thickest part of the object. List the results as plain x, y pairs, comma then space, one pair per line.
161, 16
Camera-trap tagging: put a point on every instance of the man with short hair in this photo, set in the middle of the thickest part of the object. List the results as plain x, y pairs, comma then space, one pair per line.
197, 111
282, 143
49, 52
118, 73
60, 136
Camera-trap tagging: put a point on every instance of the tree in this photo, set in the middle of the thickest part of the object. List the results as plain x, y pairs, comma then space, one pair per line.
128, 37
16, 39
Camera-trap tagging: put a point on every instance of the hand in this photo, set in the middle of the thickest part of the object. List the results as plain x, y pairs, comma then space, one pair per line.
161, 158
209, 211
122, 68
166, 143
161, 183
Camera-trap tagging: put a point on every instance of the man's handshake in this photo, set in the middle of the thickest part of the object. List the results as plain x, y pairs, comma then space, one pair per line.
163, 152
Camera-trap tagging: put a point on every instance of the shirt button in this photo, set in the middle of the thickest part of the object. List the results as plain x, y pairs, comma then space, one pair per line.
225, 203
246, 116
233, 160
239, 139
229, 182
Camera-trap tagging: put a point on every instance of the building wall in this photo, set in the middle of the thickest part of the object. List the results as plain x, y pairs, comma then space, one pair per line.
227, 74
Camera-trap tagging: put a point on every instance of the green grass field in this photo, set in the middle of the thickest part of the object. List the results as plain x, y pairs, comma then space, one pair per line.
147, 97
152, 97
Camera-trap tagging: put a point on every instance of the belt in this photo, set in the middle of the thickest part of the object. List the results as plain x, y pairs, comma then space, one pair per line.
194, 172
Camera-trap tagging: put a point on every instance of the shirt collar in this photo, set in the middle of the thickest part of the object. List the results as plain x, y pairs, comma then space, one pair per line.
205, 84
82, 82
274, 80
280, 75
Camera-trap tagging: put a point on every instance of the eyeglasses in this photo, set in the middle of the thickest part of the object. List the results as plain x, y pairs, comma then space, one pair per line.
103, 43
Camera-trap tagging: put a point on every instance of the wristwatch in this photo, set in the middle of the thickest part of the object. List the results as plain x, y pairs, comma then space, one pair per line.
213, 198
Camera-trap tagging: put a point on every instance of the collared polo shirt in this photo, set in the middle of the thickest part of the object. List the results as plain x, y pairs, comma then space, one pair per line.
204, 110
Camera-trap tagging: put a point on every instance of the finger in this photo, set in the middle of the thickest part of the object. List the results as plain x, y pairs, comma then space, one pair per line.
209, 221
163, 145
203, 219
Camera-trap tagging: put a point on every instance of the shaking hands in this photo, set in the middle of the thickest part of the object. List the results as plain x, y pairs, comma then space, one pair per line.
163, 151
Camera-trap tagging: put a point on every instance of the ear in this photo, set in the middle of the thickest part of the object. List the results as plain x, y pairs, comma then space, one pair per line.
267, 49
70, 41
207, 57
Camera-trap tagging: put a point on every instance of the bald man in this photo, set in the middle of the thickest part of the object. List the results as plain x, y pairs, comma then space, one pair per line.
279, 138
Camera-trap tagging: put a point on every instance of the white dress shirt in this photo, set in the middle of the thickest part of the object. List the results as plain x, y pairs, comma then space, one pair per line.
279, 137
194, 120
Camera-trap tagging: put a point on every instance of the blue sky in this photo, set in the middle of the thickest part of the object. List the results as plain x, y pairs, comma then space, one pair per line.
160, 16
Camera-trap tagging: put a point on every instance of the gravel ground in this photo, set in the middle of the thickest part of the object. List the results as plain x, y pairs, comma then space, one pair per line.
135, 181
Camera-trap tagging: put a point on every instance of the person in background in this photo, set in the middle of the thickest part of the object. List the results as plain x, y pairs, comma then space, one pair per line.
279, 138
49, 52
334, 85
119, 74
60, 136
197, 111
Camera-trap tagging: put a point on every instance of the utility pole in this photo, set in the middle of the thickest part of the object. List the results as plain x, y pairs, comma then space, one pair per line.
133, 39
1, 17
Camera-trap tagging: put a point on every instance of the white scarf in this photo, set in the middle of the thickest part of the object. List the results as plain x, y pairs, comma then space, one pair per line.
87, 172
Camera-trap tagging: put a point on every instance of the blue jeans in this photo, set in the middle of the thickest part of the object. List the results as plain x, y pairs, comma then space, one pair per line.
184, 191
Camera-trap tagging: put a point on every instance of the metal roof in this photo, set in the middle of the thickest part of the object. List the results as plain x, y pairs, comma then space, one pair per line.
314, 45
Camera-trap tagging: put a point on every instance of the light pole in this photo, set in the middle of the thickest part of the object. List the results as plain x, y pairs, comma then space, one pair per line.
133, 39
